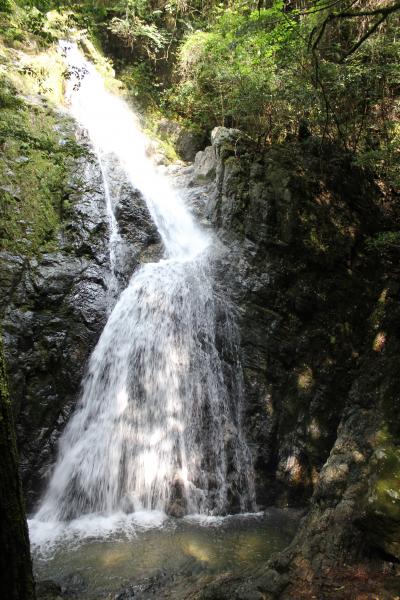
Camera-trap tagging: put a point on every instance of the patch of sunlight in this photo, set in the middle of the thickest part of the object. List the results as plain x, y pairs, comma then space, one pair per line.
336, 472
41, 74
314, 475
324, 198
315, 241
198, 551
383, 436
358, 456
269, 409
379, 341
115, 556
383, 296
314, 429
305, 379
386, 491
294, 469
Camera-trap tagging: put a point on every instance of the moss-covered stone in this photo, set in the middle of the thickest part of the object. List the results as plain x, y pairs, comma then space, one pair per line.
37, 150
381, 518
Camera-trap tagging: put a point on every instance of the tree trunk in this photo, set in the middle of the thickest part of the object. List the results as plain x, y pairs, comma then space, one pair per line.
16, 579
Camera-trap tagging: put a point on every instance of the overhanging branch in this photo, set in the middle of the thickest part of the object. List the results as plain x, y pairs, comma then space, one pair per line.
383, 11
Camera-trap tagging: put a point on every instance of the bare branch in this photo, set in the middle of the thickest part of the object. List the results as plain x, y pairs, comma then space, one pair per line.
370, 31
384, 12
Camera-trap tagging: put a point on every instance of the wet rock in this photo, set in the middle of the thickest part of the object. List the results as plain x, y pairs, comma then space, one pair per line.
316, 407
168, 128
48, 590
189, 143
177, 506
133, 218
54, 308
127, 594
72, 585
138, 239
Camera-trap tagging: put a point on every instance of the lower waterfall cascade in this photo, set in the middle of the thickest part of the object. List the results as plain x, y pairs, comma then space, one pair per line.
158, 424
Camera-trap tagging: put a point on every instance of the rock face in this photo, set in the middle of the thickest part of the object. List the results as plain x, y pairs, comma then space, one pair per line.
55, 307
186, 142
319, 319
319, 316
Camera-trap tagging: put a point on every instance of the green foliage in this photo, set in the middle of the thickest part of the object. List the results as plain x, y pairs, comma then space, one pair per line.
5, 6
36, 158
132, 30
143, 87
384, 242
234, 71
258, 70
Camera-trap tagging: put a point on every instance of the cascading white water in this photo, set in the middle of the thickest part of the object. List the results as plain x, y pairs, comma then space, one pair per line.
115, 238
158, 422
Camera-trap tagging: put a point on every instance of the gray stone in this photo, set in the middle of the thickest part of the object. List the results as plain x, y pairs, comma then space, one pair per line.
314, 408
187, 143
224, 135
204, 167
47, 590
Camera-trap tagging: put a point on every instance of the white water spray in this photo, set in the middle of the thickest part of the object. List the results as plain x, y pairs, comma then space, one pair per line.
158, 424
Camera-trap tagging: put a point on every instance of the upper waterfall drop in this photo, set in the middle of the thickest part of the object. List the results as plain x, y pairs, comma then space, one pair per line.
158, 425
114, 129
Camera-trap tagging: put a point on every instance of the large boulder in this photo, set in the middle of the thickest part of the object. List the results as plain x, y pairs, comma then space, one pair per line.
204, 167
187, 142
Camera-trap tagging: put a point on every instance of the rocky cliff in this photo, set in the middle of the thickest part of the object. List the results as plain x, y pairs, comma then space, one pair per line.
54, 307
315, 275
310, 263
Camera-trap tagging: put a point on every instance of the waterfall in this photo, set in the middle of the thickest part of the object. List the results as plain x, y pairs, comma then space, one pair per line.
158, 424
115, 241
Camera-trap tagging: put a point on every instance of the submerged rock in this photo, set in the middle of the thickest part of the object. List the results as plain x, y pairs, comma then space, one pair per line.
48, 590
73, 585
177, 506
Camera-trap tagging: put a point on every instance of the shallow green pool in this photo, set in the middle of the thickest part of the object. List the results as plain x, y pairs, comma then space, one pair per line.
98, 567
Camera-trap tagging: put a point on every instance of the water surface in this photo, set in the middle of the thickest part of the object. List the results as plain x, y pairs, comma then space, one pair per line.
182, 550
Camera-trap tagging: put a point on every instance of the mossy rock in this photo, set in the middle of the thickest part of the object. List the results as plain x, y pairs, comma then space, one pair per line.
381, 521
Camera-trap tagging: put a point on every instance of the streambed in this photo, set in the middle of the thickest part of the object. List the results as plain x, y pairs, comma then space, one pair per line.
180, 553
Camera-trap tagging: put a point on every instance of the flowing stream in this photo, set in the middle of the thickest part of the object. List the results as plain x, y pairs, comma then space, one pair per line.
158, 425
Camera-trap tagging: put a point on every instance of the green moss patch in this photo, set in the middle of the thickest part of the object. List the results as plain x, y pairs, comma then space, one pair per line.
37, 151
